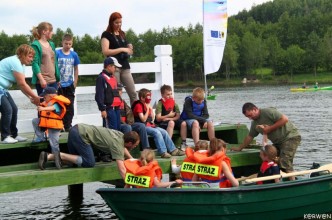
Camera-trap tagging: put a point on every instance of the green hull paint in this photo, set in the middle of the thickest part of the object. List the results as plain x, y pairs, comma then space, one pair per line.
211, 97
285, 200
310, 89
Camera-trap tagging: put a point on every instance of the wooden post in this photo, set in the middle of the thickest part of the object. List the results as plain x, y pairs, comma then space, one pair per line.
75, 191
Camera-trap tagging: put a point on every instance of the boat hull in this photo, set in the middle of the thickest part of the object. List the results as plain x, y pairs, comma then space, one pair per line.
211, 97
310, 89
285, 200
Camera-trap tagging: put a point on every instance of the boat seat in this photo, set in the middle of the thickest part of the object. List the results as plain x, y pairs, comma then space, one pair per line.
319, 173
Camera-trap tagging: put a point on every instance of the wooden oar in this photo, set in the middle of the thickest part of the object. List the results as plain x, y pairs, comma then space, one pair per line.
327, 167
247, 177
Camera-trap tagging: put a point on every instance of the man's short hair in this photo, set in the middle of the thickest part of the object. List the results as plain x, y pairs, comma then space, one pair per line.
248, 107
131, 136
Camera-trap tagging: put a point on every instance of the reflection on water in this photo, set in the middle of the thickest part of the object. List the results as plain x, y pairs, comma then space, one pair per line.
310, 111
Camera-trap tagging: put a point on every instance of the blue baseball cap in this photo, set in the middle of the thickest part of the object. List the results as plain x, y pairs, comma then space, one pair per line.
49, 90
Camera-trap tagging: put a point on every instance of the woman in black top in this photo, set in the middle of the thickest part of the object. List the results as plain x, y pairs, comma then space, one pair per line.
114, 43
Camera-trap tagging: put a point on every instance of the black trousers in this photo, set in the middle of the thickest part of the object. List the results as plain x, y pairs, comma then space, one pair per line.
68, 92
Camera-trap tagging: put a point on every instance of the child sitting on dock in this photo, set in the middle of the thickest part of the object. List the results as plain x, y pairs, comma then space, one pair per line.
187, 169
51, 113
145, 172
214, 167
196, 115
143, 113
269, 167
168, 115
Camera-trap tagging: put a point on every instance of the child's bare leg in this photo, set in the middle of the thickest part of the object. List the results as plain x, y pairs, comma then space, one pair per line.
170, 128
183, 131
210, 128
195, 129
68, 158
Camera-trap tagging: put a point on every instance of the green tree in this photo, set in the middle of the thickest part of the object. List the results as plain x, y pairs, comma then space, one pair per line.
294, 55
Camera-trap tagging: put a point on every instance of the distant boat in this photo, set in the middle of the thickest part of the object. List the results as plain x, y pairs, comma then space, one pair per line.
284, 200
312, 89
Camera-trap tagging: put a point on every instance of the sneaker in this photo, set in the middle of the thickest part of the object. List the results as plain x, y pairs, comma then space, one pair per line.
21, 139
42, 160
166, 155
57, 160
9, 140
177, 152
183, 146
38, 140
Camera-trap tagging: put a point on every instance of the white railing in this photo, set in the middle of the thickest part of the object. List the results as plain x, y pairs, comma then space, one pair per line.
162, 67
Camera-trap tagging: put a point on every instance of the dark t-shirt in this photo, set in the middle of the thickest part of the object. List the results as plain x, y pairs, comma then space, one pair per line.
116, 41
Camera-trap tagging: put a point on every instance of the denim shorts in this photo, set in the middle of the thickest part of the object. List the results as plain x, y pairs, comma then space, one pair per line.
191, 121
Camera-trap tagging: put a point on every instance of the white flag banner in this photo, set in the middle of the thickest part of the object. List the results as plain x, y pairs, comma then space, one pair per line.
214, 33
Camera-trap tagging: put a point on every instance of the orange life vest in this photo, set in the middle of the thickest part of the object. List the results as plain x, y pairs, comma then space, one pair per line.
188, 165
141, 176
209, 168
50, 119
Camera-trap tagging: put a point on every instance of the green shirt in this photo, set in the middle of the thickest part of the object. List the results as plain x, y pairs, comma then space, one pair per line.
268, 116
104, 139
159, 108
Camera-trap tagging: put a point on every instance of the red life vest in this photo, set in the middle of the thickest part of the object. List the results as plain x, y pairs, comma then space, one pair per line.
188, 165
209, 168
149, 121
266, 165
112, 97
168, 106
50, 119
141, 176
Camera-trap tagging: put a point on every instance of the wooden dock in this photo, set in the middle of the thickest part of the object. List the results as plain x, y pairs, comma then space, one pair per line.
19, 170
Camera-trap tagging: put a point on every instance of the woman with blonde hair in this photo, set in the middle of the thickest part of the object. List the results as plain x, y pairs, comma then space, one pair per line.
44, 65
12, 70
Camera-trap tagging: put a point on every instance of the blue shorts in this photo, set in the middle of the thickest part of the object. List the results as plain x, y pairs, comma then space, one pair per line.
77, 146
191, 121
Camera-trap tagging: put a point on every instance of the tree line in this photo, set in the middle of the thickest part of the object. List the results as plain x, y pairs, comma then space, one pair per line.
287, 37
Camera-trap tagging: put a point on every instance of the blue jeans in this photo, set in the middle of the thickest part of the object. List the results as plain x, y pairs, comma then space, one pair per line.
53, 135
140, 129
162, 140
113, 119
77, 146
8, 111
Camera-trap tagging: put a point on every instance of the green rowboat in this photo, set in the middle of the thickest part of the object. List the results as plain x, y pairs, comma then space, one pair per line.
284, 200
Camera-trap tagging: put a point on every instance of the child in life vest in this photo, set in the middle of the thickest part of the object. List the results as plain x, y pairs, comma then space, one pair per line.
214, 167
168, 115
196, 115
187, 169
269, 167
143, 113
145, 172
51, 112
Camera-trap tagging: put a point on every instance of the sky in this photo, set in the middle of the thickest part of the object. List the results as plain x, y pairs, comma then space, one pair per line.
91, 17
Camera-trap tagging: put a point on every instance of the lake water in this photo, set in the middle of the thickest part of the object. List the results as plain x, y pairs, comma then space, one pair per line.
311, 112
